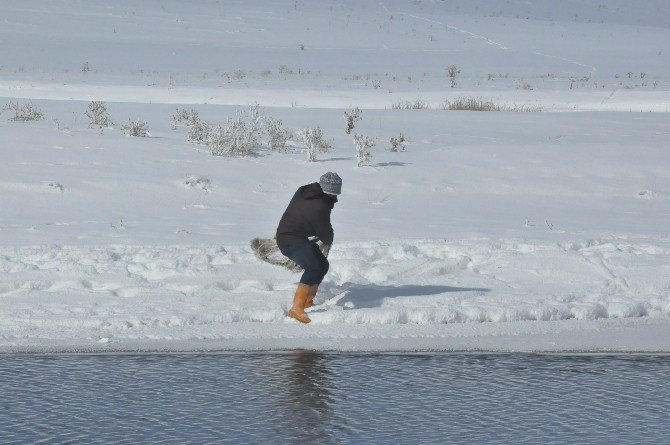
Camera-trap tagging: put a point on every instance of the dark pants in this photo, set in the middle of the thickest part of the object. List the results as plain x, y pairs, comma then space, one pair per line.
309, 257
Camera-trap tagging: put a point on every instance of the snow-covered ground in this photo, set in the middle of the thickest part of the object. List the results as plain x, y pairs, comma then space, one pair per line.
525, 231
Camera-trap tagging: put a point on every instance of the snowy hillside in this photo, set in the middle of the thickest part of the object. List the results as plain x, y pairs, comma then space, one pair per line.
539, 227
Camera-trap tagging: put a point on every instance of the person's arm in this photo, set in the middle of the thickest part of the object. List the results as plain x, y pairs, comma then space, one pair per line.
323, 228
324, 248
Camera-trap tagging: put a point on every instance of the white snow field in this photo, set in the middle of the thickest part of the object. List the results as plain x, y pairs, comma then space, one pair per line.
542, 230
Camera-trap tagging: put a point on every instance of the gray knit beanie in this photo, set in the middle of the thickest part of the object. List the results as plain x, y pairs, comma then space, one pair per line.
331, 183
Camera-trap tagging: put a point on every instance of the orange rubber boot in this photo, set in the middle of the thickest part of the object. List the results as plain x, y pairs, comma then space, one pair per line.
310, 295
299, 300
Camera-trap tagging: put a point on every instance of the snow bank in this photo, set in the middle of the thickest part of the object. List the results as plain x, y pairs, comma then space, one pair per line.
377, 295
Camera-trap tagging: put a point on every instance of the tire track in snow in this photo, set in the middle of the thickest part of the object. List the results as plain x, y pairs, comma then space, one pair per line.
492, 42
451, 27
592, 69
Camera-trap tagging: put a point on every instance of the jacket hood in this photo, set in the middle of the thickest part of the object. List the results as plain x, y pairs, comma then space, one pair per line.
314, 191
311, 191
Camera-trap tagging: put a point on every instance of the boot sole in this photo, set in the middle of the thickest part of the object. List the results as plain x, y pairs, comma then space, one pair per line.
302, 319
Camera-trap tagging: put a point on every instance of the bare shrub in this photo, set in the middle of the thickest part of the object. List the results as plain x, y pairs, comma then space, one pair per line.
470, 104
277, 134
474, 104
199, 132
351, 117
233, 140
225, 141
24, 113
452, 72
60, 127
407, 105
98, 116
314, 141
184, 117
521, 84
198, 182
397, 144
56, 187
284, 69
136, 128
523, 108
363, 145
238, 137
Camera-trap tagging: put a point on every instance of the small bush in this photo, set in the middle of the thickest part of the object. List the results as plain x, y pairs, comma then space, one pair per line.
397, 144
136, 128
474, 104
521, 84
470, 104
97, 114
351, 117
314, 141
363, 145
407, 105
198, 182
198, 133
24, 113
224, 141
58, 126
277, 134
56, 187
184, 117
284, 69
237, 138
452, 72
233, 140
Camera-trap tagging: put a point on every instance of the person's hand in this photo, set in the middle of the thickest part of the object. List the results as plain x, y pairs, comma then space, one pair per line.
325, 248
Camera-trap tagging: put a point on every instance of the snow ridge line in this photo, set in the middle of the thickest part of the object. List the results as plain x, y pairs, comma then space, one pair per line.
630, 100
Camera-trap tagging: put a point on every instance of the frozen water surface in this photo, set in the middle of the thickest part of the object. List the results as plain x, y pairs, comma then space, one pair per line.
491, 231
305, 397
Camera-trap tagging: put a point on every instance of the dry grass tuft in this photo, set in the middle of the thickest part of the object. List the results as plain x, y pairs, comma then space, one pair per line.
475, 104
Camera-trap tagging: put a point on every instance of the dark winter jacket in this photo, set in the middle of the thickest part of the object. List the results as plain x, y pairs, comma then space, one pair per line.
308, 214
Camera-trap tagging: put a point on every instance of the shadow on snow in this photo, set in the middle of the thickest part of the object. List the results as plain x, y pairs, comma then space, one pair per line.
361, 296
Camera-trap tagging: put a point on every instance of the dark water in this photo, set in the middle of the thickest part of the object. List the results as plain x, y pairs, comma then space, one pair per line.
305, 397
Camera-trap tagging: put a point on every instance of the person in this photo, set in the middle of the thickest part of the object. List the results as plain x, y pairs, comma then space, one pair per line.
306, 221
